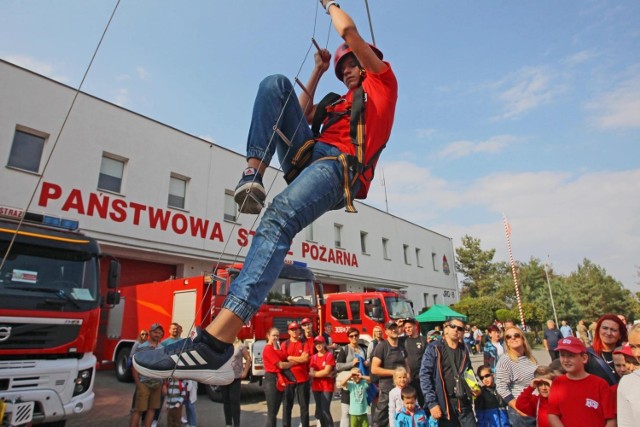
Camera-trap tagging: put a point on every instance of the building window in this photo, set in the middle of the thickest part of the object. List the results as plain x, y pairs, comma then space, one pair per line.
385, 248
418, 259
363, 241
111, 173
425, 299
434, 261
309, 233
26, 151
405, 250
230, 206
435, 298
177, 191
337, 233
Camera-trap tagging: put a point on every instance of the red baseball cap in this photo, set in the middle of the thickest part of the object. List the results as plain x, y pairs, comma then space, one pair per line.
572, 345
625, 350
305, 321
319, 340
293, 325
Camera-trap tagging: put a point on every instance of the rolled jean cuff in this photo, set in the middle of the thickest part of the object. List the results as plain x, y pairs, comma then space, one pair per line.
240, 308
257, 153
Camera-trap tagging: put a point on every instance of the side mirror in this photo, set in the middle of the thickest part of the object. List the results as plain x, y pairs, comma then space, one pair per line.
113, 298
114, 274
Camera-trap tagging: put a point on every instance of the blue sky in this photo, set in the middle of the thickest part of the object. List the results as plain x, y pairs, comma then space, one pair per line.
531, 109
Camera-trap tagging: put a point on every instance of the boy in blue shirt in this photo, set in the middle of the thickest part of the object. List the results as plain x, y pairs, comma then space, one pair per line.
411, 415
357, 397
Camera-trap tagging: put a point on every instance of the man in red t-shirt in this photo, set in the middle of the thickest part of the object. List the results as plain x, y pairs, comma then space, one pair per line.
297, 352
579, 399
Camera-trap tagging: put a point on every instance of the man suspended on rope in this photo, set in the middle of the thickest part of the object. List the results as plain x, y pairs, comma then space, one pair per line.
325, 172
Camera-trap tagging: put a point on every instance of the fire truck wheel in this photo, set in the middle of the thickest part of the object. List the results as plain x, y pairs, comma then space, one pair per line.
214, 392
122, 366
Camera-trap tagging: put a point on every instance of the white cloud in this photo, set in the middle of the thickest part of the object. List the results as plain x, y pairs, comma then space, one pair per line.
121, 97
37, 66
568, 217
143, 74
579, 58
425, 133
459, 149
619, 108
526, 90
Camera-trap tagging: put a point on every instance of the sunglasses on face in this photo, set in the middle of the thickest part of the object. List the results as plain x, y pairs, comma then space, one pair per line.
514, 336
144, 334
353, 336
457, 328
482, 377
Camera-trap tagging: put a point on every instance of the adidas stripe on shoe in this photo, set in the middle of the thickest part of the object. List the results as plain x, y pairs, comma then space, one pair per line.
250, 194
190, 358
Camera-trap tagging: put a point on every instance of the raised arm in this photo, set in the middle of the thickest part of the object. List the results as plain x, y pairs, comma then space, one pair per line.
346, 29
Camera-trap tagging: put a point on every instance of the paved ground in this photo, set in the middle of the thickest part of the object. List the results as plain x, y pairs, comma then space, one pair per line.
113, 400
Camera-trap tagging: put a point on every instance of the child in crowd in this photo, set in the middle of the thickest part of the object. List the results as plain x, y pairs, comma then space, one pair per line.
535, 404
579, 399
619, 363
490, 407
357, 397
625, 353
411, 414
400, 379
175, 399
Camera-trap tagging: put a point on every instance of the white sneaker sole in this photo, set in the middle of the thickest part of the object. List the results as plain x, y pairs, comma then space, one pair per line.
250, 198
221, 376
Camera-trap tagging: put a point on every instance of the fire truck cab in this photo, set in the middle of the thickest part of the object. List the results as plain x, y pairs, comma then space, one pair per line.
49, 316
364, 311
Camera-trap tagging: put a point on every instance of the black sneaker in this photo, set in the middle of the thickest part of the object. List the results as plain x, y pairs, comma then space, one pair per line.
250, 194
187, 359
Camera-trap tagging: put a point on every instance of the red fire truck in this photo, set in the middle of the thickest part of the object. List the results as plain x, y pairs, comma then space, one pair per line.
49, 315
196, 301
364, 311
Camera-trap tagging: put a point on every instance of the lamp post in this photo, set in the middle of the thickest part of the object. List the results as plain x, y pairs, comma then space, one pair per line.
546, 272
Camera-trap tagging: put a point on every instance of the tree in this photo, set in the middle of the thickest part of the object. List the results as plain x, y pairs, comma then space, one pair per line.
479, 311
598, 293
477, 267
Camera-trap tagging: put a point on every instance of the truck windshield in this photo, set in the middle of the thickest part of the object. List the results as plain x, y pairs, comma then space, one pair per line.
48, 278
292, 292
399, 308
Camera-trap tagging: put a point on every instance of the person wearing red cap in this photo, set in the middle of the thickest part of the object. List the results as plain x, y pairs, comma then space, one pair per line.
322, 367
326, 165
578, 398
298, 354
307, 333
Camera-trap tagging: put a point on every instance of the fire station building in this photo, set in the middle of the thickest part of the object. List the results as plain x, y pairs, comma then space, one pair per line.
161, 200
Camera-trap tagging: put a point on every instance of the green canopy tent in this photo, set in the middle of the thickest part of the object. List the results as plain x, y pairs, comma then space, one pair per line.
437, 315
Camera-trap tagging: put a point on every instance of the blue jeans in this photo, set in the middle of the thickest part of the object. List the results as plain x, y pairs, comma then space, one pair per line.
316, 190
190, 409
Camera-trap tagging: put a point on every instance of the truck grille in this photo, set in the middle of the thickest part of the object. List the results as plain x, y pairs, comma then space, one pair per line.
282, 323
37, 335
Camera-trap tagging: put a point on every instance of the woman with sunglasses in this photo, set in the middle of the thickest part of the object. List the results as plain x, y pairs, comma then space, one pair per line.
346, 359
514, 372
610, 333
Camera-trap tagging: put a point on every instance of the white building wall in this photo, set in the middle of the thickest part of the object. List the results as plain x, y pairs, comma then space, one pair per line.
153, 151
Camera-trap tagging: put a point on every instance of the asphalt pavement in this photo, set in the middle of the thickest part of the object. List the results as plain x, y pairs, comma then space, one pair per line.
113, 401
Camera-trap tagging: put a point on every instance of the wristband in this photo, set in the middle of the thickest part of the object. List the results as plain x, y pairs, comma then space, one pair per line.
331, 3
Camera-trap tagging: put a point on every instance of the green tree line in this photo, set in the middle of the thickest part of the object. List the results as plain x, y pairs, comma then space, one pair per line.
488, 291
